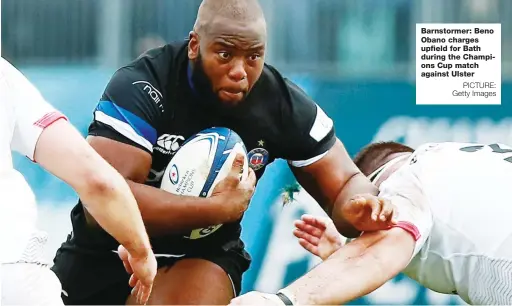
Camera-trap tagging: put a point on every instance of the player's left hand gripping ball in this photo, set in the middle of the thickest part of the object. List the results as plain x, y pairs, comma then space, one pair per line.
369, 213
257, 298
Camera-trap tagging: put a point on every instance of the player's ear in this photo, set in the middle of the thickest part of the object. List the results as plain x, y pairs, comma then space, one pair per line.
193, 45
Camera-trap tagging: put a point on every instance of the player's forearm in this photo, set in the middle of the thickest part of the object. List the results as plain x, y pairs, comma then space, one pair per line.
354, 270
114, 208
357, 184
103, 190
166, 213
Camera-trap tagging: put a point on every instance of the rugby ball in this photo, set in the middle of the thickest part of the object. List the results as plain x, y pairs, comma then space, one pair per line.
200, 164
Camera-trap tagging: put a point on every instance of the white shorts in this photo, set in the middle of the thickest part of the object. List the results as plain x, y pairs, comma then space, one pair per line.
29, 284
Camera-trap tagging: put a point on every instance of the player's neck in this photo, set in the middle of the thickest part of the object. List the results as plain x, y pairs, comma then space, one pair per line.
393, 163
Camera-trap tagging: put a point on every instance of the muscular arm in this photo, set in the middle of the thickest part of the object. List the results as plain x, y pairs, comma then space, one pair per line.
319, 160
332, 180
367, 262
63, 152
356, 269
163, 212
42, 134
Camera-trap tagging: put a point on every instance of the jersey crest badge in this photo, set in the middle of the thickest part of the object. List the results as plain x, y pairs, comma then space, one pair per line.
258, 158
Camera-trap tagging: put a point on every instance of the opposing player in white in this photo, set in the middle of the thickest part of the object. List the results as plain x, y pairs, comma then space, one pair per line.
453, 231
29, 125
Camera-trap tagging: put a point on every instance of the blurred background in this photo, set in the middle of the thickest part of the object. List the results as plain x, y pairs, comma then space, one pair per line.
354, 57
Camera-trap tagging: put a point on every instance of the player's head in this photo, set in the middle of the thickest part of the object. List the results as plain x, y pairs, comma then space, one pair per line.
227, 48
372, 158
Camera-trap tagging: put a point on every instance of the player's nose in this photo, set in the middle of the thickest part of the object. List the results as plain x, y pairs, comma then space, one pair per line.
237, 73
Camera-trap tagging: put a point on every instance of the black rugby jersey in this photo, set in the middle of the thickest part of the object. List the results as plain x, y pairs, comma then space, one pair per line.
151, 104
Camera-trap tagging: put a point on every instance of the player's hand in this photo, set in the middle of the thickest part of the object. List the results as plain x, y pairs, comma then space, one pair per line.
257, 298
369, 213
318, 235
235, 194
143, 271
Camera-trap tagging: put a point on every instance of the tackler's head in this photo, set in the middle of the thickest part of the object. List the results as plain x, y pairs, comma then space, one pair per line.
374, 158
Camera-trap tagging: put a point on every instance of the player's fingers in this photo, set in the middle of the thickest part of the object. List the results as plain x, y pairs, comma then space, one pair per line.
308, 247
374, 204
303, 235
311, 230
394, 216
357, 202
135, 289
250, 180
318, 222
147, 279
122, 252
141, 295
146, 293
238, 164
133, 280
146, 274
298, 222
386, 213
127, 267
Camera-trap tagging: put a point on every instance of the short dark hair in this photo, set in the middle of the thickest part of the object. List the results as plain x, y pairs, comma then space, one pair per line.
371, 156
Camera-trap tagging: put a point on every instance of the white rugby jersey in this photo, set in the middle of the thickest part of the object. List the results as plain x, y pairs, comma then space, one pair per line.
456, 200
23, 115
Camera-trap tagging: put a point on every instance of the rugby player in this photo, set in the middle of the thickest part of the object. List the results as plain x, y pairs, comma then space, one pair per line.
30, 126
217, 77
453, 232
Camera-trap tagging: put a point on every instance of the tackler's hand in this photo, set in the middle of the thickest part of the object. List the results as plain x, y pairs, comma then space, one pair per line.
318, 235
143, 268
369, 213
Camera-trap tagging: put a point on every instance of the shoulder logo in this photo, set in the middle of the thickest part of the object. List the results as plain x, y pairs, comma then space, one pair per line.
322, 125
153, 93
257, 158
168, 144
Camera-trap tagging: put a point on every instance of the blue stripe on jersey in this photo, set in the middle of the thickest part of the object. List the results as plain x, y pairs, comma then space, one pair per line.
140, 126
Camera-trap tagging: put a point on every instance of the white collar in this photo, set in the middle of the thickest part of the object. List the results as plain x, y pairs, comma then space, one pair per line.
375, 175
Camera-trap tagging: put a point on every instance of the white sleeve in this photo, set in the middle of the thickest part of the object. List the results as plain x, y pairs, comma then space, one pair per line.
0, 283
404, 191
32, 113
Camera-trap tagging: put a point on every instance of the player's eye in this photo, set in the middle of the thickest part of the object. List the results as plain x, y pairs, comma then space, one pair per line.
224, 55
254, 57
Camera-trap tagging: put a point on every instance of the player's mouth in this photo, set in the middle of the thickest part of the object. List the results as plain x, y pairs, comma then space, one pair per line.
231, 95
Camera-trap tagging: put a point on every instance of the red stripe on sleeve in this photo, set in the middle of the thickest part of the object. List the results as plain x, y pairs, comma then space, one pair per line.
48, 119
410, 228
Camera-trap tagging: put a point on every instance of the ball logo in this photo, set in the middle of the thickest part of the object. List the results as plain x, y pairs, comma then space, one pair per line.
258, 158
174, 175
